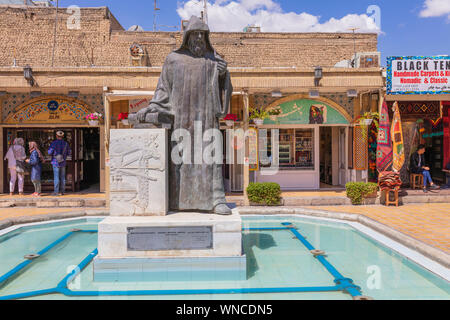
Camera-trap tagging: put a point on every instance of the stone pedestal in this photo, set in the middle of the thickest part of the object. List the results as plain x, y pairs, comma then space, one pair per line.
139, 172
140, 241
195, 246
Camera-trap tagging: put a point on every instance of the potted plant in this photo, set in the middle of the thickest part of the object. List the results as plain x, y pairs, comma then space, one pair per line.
258, 116
93, 118
274, 112
230, 119
366, 120
124, 118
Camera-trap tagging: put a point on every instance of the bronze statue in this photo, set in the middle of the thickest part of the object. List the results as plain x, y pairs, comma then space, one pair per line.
194, 87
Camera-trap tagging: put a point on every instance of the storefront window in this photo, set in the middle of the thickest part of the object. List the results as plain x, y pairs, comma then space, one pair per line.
295, 149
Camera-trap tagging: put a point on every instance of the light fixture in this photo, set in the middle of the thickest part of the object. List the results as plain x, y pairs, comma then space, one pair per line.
318, 75
352, 93
276, 94
73, 94
28, 75
314, 93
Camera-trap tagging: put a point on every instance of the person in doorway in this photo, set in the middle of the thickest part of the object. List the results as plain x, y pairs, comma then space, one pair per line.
35, 161
418, 166
59, 150
447, 175
16, 157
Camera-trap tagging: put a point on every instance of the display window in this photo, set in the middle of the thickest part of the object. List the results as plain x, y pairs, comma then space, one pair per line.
295, 149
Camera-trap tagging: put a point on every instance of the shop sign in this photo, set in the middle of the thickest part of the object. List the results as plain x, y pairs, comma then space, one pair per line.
418, 75
136, 105
50, 110
306, 111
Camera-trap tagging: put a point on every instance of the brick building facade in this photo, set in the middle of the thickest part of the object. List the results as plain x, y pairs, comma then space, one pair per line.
90, 56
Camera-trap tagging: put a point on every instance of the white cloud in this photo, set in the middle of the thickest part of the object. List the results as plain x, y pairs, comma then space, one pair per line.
235, 15
436, 8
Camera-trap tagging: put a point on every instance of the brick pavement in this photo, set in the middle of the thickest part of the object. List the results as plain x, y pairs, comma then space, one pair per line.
429, 223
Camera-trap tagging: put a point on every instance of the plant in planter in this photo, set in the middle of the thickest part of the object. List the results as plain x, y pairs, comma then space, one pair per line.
123, 117
274, 112
267, 193
93, 118
366, 120
230, 119
358, 191
258, 116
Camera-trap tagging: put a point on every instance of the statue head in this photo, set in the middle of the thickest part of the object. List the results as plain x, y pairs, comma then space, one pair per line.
196, 37
197, 43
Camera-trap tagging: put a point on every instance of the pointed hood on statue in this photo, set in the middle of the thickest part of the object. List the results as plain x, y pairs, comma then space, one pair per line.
196, 24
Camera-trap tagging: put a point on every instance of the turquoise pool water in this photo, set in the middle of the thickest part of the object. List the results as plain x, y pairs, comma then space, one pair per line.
274, 259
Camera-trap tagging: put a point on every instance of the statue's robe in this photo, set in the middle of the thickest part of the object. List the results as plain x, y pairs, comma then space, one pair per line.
191, 89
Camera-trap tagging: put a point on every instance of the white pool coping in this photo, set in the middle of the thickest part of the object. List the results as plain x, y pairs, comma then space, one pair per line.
32, 224
397, 247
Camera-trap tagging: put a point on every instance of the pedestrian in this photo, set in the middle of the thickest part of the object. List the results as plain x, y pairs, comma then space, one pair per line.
35, 161
16, 157
59, 150
417, 165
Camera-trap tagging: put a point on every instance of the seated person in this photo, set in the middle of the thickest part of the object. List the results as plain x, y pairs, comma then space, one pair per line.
417, 165
447, 175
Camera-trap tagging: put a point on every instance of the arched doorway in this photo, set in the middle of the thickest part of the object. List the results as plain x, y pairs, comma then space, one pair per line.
38, 120
313, 143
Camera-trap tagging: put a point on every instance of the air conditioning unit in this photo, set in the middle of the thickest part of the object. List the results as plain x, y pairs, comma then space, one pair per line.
368, 60
252, 28
40, 3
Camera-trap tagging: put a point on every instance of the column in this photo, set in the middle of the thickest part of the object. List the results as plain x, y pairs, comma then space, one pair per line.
2, 155
107, 106
102, 159
335, 146
347, 171
246, 165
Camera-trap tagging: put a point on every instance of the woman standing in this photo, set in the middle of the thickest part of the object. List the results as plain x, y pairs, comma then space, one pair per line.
16, 156
36, 160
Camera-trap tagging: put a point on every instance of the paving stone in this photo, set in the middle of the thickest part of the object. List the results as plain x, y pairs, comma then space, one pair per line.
7, 204
46, 204
94, 203
70, 204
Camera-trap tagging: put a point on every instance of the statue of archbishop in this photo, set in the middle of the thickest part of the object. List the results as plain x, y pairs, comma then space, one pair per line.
194, 88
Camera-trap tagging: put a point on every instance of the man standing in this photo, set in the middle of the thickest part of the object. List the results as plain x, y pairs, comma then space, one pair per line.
417, 165
195, 89
59, 150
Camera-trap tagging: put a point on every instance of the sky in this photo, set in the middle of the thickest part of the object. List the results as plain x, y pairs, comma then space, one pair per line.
405, 27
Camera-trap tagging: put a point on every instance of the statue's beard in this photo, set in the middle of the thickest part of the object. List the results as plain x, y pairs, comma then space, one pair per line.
197, 47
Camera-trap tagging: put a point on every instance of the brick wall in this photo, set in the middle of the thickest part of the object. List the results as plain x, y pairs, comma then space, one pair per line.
101, 41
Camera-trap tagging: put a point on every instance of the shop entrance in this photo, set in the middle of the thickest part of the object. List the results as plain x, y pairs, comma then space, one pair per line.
332, 156
83, 166
326, 163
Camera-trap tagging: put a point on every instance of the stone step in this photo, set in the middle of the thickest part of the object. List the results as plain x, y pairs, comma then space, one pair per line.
341, 201
53, 202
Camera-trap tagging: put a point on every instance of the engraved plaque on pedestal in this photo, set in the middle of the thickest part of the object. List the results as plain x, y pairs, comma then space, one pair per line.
138, 172
169, 238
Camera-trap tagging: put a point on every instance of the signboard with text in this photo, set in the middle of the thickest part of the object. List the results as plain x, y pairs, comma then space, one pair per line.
136, 105
418, 75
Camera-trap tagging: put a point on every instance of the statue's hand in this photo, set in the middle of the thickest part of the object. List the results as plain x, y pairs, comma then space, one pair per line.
141, 114
222, 67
